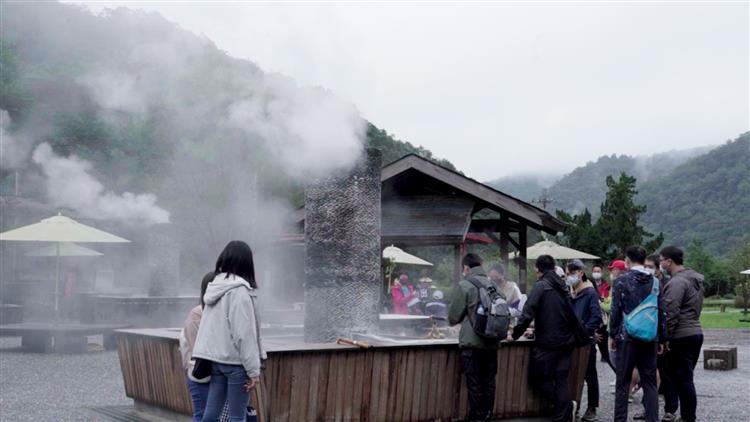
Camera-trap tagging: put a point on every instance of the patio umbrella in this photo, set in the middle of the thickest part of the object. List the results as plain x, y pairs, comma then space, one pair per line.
66, 249
745, 272
60, 229
398, 256
548, 247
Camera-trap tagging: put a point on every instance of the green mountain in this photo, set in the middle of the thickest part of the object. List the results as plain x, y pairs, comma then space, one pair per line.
707, 198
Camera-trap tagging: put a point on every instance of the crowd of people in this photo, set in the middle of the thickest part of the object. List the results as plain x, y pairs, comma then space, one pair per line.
644, 321
645, 324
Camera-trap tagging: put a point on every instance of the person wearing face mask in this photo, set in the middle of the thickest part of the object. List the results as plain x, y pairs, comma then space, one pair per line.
587, 309
683, 298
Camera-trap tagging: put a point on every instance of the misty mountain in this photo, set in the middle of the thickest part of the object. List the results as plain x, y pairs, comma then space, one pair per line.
584, 187
524, 187
706, 198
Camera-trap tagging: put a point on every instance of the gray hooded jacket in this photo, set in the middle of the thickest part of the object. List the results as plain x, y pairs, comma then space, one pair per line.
683, 302
229, 332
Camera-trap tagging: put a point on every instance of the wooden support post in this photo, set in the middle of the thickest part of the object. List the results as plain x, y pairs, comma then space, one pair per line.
457, 268
504, 235
522, 268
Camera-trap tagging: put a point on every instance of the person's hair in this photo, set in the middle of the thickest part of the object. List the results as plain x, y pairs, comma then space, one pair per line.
237, 259
601, 268
471, 260
674, 253
499, 268
655, 259
636, 254
545, 263
575, 265
209, 277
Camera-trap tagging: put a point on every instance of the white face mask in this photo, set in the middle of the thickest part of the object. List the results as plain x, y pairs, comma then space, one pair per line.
651, 271
596, 276
571, 280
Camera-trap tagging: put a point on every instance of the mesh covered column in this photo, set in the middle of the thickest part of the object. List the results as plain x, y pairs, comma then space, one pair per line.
342, 252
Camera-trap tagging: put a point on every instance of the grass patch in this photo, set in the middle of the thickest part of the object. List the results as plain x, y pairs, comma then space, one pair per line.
724, 320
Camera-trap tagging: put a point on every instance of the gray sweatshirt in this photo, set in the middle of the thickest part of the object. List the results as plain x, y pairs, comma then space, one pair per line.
229, 330
683, 302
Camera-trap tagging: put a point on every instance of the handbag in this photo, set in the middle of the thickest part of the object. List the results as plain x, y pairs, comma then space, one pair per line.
202, 368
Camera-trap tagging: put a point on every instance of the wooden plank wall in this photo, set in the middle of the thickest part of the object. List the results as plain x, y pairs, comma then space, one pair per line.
379, 384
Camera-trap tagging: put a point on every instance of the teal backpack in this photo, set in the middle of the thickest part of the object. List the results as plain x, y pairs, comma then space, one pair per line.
643, 322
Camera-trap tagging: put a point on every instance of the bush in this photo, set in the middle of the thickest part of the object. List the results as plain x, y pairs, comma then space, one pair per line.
739, 302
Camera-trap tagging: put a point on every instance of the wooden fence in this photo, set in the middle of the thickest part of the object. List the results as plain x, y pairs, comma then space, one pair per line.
303, 382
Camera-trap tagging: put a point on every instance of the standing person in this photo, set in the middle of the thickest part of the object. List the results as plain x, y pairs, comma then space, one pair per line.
401, 294
629, 291
587, 309
229, 333
198, 388
616, 268
555, 332
683, 298
478, 355
509, 289
436, 307
602, 335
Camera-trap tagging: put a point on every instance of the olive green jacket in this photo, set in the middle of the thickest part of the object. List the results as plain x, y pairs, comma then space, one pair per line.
464, 300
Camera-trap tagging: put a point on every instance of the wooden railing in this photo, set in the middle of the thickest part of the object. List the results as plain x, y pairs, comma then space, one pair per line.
304, 382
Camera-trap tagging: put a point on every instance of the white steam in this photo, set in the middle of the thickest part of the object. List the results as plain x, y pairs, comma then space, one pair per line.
309, 130
70, 185
14, 148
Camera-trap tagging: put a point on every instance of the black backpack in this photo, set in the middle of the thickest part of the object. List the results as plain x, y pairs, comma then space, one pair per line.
491, 318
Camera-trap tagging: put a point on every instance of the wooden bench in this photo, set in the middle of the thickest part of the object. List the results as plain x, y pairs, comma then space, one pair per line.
48, 337
720, 358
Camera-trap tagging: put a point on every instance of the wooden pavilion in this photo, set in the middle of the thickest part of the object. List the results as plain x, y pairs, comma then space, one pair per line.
425, 204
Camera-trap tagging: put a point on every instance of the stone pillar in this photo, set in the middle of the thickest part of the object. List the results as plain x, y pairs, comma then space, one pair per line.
342, 252
163, 252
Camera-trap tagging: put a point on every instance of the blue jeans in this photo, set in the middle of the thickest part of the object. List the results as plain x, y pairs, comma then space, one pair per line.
199, 396
227, 384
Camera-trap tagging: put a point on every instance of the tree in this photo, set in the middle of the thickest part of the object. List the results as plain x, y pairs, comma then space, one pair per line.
713, 268
618, 225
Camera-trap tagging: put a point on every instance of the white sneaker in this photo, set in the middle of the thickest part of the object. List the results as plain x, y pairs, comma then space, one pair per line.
575, 411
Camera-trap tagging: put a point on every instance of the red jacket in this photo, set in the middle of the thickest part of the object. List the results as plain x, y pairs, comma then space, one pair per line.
400, 300
604, 289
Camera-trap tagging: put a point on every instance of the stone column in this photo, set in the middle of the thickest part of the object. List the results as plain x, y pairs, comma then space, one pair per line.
342, 252
163, 249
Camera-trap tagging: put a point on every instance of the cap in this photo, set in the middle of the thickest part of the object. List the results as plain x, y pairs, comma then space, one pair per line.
577, 264
559, 271
437, 295
619, 264
425, 280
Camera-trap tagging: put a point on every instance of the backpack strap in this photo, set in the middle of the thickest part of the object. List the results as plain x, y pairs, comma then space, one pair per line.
476, 283
655, 287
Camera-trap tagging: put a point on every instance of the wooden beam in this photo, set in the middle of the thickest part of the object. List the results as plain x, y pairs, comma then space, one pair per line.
457, 267
504, 235
522, 262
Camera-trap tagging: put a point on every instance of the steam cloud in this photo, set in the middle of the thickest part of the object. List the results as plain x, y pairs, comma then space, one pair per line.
14, 148
69, 184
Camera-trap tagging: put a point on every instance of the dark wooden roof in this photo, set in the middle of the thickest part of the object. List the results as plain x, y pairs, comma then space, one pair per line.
459, 184
425, 219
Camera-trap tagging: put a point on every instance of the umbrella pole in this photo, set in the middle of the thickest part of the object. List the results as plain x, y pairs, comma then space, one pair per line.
57, 281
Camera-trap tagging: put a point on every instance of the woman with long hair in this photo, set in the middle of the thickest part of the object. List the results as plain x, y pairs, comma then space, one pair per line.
229, 333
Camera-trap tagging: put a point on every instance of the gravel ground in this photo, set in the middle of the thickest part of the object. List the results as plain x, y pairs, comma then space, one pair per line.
722, 395
49, 387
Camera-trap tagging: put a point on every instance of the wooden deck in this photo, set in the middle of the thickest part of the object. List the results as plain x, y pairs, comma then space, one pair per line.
328, 382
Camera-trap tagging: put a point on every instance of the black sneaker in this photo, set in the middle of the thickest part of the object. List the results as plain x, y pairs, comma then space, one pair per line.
590, 415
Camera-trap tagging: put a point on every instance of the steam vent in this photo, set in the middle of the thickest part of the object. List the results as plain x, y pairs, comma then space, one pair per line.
163, 260
342, 258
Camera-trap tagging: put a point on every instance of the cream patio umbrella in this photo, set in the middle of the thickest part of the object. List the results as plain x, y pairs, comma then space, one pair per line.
745, 272
66, 249
548, 247
398, 256
59, 229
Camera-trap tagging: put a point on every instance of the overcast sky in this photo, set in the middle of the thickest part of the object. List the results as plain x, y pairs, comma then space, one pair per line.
506, 88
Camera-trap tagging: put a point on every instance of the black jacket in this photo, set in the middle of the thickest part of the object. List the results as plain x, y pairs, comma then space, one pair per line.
587, 308
546, 307
628, 291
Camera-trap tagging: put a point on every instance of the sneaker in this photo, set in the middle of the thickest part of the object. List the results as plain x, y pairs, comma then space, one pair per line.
669, 417
575, 411
640, 416
590, 415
